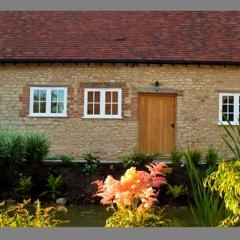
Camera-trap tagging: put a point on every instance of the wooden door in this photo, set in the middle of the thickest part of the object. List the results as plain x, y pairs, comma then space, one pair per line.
157, 113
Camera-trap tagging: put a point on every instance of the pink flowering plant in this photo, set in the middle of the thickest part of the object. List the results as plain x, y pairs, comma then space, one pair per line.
133, 196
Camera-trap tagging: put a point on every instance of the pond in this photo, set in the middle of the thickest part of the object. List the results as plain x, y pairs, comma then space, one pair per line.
95, 216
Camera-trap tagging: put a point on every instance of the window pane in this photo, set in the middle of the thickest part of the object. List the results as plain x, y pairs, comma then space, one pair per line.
36, 95
230, 108
54, 96
225, 99
60, 96
42, 107
227, 117
231, 99
42, 94
53, 107
90, 96
36, 107
97, 97
224, 108
90, 109
230, 117
108, 109
108, 97
115, 97
60, 107
115, 109
97, 109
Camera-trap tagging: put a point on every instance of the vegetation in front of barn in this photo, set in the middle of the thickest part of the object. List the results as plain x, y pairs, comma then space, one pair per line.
209, 188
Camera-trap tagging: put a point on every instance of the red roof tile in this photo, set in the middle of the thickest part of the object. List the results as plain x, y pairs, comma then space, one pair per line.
120, 36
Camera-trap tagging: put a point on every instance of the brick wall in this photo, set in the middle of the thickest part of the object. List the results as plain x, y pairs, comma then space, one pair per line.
197, 106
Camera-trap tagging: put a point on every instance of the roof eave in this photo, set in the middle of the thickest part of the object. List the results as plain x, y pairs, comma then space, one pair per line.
123, 61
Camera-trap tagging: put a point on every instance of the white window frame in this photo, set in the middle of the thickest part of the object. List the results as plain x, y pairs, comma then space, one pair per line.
235, 108
48, 102
102, 103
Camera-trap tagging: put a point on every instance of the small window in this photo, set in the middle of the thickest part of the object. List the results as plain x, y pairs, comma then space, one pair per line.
102, 103
229, 108
48, 101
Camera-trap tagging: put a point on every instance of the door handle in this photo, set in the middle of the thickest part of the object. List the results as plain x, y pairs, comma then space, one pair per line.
173, 125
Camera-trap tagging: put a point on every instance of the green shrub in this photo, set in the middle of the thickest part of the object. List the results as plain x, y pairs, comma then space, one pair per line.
226, 181
137, 159
12, 149
176, 190
209, 208
176, 158
24, 185
53, 184
66, 160
193, 155
212, 157
124, 217
92, 163
232, 139
20, 215
37, 147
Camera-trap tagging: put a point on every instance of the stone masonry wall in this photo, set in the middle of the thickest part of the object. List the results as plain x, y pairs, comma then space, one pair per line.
197, 108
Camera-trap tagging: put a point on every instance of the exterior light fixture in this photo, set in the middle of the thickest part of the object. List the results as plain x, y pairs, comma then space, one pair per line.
157, 86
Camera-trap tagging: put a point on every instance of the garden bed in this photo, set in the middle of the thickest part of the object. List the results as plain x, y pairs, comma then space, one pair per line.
77, 187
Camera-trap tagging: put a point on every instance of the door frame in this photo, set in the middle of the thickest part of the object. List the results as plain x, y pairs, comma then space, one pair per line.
175, 115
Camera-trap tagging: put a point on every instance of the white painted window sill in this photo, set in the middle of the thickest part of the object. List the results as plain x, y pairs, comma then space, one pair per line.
110, 118
47, 116
227, 124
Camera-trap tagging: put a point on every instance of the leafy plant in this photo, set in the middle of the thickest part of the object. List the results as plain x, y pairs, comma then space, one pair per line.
20, 216
194, 156
125, 217
233, 138
66, 160
12, 149
54, 183
176, 190
212, 157
24, 185
176, 158
226, 181
37, 147
132, 197
137, 159
92, 163
209, 209
167, 170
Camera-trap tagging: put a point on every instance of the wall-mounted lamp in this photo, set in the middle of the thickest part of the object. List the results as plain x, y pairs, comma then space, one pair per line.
157, 85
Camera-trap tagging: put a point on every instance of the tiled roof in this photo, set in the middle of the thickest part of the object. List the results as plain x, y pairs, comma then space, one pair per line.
132, 36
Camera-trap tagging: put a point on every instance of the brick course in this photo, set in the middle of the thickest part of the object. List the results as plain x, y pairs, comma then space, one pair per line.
197, 105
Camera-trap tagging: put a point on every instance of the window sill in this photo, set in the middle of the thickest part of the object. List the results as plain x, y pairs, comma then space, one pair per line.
47, 116
107, 118
227, 124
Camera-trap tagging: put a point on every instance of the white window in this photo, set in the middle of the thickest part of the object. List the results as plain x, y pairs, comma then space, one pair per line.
48, 101
102, 103
229, 108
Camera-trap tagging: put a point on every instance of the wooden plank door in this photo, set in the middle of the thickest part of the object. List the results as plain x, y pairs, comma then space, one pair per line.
157, 113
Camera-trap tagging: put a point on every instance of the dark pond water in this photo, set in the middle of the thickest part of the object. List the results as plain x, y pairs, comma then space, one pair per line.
95, 216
